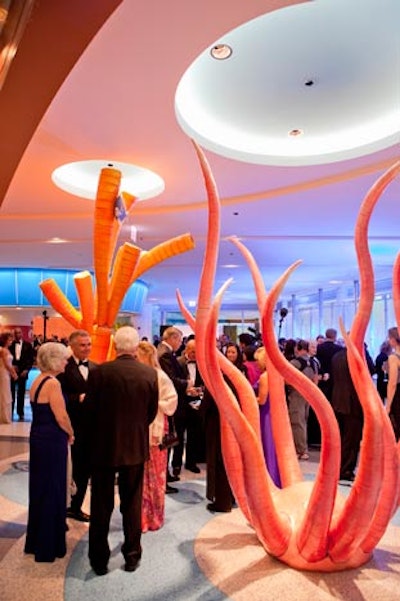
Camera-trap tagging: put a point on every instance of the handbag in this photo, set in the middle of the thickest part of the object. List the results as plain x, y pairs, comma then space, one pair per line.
170, 438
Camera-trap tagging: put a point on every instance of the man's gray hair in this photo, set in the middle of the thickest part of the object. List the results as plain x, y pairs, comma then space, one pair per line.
126, 339
171, 331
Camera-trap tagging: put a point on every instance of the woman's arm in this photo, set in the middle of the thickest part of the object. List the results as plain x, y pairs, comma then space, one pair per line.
167, 395
57, 405
393, 368
10, 368
263, 388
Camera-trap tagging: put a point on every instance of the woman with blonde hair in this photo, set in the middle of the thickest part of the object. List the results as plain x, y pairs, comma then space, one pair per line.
155, 469
393, 384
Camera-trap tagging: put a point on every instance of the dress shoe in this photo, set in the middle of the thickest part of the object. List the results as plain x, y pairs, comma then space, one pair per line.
80, 516
171, 478
21, 418
99, 570
176, 471
170, 490
193, 468
131, 566
350, 476
215, 509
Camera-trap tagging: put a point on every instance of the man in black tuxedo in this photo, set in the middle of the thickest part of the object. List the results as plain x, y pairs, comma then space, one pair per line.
74, 385
195, 436
122, 399
166, 352
325, 351
22, 352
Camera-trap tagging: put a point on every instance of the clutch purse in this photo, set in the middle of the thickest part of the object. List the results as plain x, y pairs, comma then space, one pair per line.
170, 438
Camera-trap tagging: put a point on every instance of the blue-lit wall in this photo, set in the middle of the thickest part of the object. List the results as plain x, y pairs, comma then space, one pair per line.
20, 288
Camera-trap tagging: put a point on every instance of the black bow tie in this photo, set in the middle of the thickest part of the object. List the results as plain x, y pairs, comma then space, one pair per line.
85, 363
188, 362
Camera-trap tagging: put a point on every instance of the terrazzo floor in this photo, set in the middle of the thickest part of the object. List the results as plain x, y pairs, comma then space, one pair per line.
196, 556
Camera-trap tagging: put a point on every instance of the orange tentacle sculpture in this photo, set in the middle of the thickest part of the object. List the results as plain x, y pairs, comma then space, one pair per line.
366, 300
308, 526
99, 309
289, 468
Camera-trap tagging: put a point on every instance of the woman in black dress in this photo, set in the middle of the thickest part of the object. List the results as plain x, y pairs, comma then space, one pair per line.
51, 432
381, 367
393, 387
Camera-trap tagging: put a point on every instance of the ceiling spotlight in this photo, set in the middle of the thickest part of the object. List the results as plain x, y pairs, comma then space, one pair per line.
221, 51
296, 132
309, 82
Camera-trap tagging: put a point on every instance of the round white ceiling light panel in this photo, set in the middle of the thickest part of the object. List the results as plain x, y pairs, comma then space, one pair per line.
82, 177
307, 84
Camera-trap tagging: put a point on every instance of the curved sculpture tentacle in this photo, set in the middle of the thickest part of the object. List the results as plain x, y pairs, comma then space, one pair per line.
364, 260
308, 526
288, 464
271, 525
349, 529
313, 530
396, 289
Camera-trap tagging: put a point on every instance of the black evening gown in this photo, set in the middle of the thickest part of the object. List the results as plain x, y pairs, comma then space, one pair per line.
45, 537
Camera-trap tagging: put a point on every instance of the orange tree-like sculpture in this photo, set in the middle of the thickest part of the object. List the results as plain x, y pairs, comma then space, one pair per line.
99, 308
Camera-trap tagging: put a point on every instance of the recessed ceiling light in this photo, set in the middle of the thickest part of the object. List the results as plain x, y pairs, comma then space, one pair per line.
56, 241
296, 132
81, 179
230, 266
221, 51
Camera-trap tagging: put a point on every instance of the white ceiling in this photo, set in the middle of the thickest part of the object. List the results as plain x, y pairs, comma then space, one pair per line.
118, 104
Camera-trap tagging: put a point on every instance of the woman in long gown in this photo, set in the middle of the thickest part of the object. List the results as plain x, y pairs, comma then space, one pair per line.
155, 469
265, 419
393, 385
7, 371
51, 432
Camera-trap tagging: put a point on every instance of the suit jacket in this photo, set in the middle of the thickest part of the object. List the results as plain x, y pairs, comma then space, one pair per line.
170, 364
183, 363
25, 361
344, 396
122, 399
325, 352
73, 384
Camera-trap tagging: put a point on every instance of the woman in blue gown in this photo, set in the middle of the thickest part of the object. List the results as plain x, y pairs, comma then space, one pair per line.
51, 432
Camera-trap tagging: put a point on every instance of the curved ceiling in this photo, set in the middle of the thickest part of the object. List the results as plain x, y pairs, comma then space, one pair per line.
73, 94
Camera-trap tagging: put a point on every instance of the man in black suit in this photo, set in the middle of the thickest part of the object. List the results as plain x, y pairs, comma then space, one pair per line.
195, 437
74, 386
325, 351
166, 352
122, 398
22, 352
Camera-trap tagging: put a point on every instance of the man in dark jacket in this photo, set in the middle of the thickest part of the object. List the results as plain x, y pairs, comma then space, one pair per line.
325, 351
122, 399
349, 413
166, 352
22, 352
74, 385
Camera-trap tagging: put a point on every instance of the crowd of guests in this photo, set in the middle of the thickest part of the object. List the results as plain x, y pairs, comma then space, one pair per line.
107, 425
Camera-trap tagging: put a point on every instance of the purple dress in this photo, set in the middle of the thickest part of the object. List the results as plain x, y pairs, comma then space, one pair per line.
268, 443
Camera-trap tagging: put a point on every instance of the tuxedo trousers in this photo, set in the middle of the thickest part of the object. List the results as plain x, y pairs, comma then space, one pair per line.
130, 488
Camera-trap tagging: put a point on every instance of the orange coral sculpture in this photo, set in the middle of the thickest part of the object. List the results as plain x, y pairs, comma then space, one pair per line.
306, 525
99, 308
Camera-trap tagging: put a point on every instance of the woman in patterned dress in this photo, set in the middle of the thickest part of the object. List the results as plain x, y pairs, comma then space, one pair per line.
155, 470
